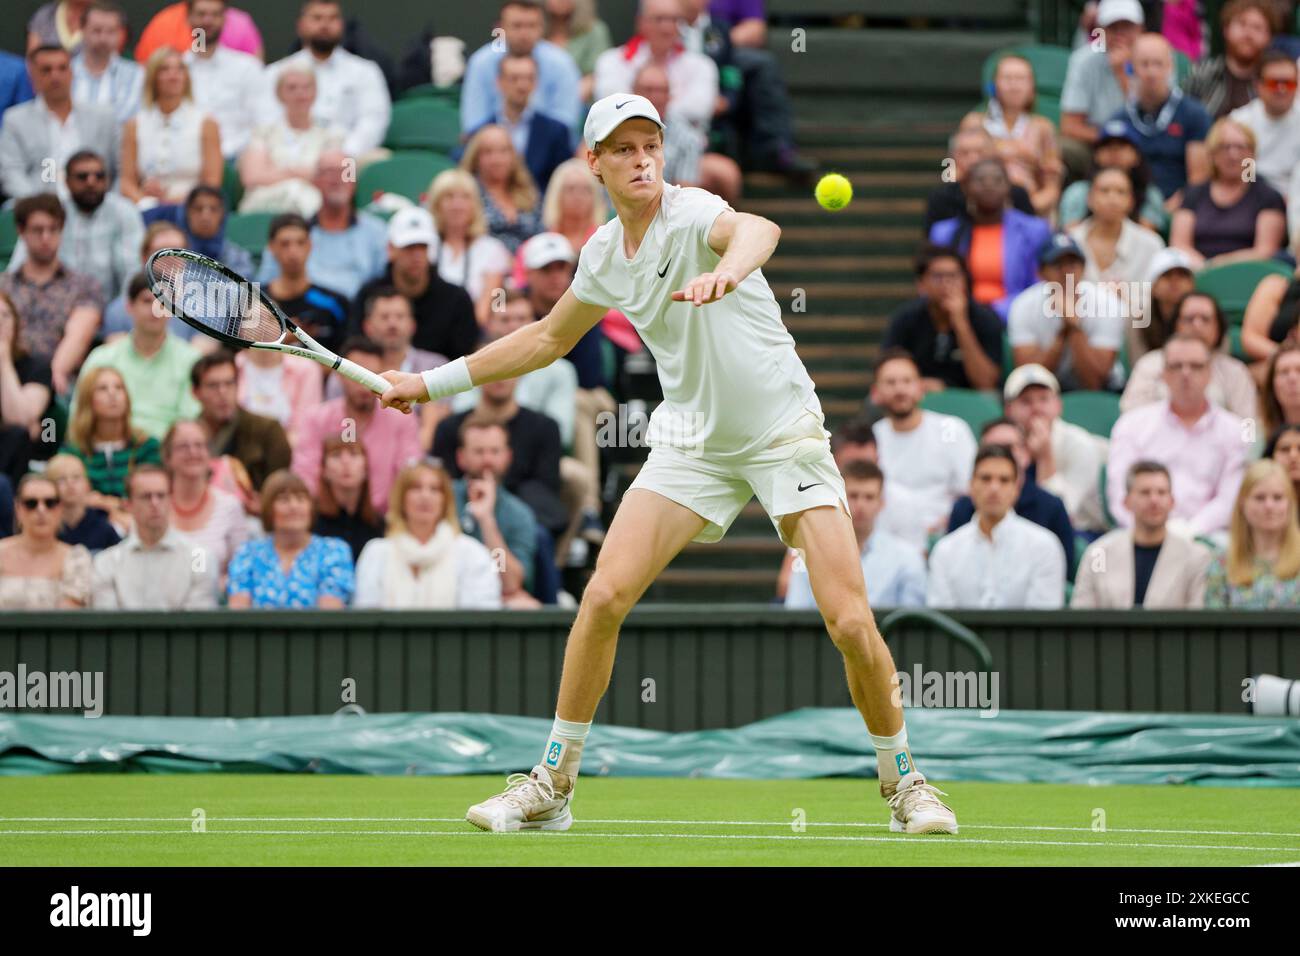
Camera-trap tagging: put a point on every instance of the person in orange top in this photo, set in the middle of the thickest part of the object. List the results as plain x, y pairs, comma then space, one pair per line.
171, 27
999, 243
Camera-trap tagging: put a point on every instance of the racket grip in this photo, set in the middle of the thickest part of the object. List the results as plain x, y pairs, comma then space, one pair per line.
371, 380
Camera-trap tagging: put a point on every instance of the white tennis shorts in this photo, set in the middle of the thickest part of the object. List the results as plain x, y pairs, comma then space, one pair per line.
794, 473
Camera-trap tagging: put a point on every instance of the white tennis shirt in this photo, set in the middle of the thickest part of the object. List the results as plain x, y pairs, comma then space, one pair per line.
732, 381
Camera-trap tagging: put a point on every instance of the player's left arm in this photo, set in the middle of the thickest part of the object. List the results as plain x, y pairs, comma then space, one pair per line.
745, 242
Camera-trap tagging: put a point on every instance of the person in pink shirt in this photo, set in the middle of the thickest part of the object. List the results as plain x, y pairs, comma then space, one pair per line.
1203, 445
284, 387
391, 439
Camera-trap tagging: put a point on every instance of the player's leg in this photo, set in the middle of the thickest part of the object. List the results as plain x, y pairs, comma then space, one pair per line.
647, 532
830, 552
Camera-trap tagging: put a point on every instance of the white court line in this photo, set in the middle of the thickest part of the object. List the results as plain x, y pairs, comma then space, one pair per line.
898, 838
630, 822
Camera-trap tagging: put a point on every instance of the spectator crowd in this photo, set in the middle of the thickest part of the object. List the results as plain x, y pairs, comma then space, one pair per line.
144, 466
1086, 262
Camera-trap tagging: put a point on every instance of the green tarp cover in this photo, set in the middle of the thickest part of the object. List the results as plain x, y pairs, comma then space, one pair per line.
1045, 746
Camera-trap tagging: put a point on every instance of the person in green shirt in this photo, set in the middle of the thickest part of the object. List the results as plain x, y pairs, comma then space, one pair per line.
574, 26
101, 434
154, 363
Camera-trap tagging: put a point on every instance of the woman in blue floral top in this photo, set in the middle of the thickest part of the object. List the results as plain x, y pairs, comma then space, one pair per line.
290, 567
1261, 568
510, 199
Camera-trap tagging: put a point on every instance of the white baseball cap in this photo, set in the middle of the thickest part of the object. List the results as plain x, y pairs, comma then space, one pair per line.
1114, 11
412, 226
1167, 260
1024, 376
545, 248
606, 115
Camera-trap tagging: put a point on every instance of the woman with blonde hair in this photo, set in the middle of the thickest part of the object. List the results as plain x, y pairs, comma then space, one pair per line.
1026, 141
1230, 218
574, 206
100, 433
279, 163
506, 187
171, 145
425, 561
465, 254
1261, 568
38, 572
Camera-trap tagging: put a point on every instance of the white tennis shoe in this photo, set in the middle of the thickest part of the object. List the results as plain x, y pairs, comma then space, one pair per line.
917, 808
529, 802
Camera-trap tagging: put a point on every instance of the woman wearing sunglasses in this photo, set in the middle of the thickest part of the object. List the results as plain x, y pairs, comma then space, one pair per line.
38, 572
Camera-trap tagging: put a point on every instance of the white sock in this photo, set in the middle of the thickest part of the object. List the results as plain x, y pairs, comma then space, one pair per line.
563, 752
892, 756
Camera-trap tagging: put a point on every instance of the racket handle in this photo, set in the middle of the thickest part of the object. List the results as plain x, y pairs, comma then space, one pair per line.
375, 382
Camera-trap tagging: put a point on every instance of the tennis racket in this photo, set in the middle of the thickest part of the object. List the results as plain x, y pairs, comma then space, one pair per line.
219, 302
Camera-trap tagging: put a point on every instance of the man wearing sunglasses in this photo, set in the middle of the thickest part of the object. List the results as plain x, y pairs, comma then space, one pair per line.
103, 230
1276, 121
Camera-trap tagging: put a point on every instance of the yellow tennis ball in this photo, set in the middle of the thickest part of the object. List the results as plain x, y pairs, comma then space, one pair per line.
834, 191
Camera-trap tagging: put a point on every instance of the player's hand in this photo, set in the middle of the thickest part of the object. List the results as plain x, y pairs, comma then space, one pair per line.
408, 391
706, 288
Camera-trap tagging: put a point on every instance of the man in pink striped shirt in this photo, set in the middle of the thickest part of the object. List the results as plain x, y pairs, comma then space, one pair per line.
1203, 445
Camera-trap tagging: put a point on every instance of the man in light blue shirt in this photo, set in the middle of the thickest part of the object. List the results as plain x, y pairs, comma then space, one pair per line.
99, 74
348, 248
894, 571
558, 78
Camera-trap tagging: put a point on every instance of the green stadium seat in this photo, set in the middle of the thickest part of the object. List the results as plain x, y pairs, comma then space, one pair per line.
1048, 105
971, 406
1049, 63
405, 173
424, 123
425, 91
1095, 411
8, 234
232, 187
249, 230
1233, 284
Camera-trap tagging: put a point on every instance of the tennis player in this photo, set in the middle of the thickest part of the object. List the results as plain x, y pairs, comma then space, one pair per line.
739, 417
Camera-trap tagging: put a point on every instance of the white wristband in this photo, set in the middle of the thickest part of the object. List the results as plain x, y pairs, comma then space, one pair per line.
447, 379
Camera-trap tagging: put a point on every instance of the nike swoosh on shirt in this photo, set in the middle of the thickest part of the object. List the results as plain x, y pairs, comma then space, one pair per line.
806, 487
664, 271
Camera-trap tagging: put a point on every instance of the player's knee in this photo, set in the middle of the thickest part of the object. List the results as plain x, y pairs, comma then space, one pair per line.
606, 600
853, 631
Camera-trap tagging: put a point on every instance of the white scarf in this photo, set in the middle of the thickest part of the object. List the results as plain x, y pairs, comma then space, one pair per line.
421, 575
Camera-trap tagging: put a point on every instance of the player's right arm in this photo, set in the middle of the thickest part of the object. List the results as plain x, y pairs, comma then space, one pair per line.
522, 351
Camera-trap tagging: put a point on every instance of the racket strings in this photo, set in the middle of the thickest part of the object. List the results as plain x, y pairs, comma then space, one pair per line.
214, 299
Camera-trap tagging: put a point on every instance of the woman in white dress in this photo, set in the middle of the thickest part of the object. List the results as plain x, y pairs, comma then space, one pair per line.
425, 561
279, 162
171, 145
465, 254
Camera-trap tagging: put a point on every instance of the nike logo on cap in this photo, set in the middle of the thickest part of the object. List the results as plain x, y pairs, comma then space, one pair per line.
619, 106
806, 487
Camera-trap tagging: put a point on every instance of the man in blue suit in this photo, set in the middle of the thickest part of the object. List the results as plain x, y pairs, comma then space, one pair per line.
542, 141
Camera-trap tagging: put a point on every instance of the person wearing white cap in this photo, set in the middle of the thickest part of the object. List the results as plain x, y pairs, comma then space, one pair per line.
1096, 80
1171, 275
1067, 459
740, 417
444, 312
